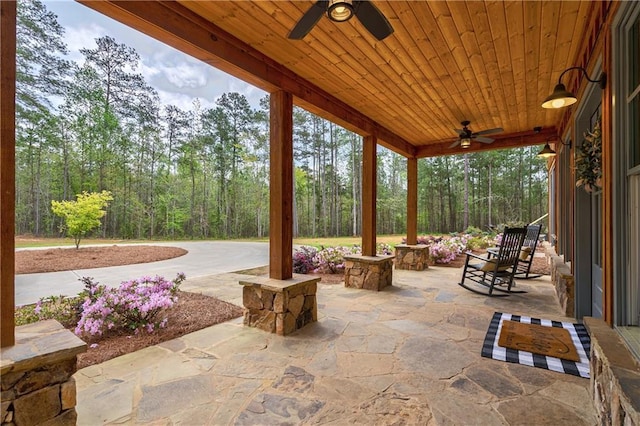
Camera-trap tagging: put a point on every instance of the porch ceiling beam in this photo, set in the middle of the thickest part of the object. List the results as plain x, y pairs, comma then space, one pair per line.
512, 140
186, 31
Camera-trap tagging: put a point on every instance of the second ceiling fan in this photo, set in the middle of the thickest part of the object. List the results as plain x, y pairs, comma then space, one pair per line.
465, 135
340, 11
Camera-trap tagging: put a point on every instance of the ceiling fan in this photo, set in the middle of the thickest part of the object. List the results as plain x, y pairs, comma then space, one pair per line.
465, 135
340, 11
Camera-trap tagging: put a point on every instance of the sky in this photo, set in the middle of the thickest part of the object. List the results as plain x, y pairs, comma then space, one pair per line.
178, 78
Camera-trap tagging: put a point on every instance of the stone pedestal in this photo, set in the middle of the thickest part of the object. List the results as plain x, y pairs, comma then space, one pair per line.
368, 272
563, 281
280, 306
412, 257
37, 386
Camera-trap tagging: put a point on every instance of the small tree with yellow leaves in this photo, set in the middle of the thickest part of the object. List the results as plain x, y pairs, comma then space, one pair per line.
83, 214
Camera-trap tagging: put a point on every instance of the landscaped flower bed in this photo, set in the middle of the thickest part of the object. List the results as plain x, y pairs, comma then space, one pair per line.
442, 250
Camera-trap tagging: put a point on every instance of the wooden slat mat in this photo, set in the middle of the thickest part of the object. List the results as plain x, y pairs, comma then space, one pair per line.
579, 336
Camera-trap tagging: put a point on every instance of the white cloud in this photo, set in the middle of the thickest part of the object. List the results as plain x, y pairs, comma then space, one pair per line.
183, 75
178, 78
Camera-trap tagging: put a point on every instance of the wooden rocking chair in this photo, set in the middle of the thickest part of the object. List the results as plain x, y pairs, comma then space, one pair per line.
526, 254
497, 270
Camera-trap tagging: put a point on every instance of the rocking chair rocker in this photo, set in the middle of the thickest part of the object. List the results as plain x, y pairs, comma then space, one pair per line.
497, 270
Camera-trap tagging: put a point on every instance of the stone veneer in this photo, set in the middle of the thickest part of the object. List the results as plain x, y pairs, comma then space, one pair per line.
368, 272
412, 257
37, 387
563, 281
615, 376
280, 306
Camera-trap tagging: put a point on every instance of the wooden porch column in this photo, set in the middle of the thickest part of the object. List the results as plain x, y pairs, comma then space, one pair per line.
7, 170
412, 201
369, 194
281, 186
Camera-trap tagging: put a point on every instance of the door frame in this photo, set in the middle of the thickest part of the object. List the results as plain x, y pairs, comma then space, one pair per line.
582, 212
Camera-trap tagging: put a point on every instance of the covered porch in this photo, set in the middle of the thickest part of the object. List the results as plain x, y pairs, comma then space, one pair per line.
409, 354
448, 62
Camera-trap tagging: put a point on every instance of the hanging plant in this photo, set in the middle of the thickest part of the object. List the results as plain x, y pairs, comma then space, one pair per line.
589, 160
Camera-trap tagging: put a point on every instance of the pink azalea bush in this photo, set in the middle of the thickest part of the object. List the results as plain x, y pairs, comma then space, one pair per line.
441, 252
304, 260
135, 304
383, 248
328, 260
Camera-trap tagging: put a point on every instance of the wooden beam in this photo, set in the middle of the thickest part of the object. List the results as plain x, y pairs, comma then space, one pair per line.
369, 195
179, 27
412, 201
7, 170
511, 140
281, 187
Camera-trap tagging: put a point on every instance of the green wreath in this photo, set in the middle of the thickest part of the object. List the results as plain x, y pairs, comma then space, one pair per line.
589, 160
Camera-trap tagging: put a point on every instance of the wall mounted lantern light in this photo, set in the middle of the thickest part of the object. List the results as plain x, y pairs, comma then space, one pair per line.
561, 97
340, 11
547, 151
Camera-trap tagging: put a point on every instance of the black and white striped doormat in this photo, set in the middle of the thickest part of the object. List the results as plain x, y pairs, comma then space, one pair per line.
579, 336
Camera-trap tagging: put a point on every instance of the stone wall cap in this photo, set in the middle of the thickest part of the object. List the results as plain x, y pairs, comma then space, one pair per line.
370, 259
279, 286
413, 246
623, 364
39, 343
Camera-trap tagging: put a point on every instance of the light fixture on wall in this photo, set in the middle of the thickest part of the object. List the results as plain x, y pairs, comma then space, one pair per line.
340, 11
465, 143
547, 151
561, 97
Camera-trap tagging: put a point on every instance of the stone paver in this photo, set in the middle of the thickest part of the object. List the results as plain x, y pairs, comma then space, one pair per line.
409, 354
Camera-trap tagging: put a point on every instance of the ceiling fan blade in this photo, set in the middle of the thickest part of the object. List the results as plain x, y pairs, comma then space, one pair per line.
489, 131
309, 20
483, 139
456, 143
372, 19
459, 131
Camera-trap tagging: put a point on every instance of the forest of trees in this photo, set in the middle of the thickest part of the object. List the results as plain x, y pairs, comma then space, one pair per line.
204, 172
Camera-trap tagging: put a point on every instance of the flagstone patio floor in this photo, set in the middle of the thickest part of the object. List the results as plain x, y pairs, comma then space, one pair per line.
407, 355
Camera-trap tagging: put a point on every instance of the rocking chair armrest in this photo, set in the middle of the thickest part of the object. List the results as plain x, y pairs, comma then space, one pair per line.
470, 254
493, 251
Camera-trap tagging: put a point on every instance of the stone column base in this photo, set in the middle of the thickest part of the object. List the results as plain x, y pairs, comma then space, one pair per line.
412, 257
562, 280
368, 272
37, 387
280, 306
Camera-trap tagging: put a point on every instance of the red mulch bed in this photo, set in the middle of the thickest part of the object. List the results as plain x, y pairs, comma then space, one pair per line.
69, 259
191, 313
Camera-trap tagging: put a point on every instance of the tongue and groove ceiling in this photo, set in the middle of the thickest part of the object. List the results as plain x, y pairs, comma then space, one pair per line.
490, 62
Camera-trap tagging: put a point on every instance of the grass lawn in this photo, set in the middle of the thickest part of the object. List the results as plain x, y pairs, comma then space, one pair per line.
392, 240
30, 241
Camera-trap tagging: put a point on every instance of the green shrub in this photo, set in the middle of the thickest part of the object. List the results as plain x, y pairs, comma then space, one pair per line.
472, 230
478, 243
65, 310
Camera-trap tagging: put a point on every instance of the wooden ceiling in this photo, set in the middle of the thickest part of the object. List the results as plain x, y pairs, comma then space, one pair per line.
490, 62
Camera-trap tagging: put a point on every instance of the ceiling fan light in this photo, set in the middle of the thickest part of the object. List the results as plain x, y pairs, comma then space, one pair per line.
547, 151
465, 143
340, 10
560, 98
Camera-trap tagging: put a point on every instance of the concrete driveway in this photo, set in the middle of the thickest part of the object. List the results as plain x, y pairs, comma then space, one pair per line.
203, 258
